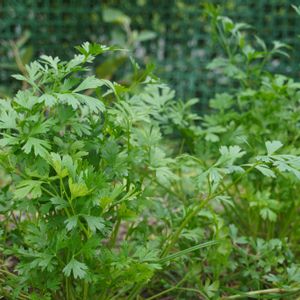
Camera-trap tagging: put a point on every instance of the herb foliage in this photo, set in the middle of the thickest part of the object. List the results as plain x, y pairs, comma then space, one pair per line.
123, 192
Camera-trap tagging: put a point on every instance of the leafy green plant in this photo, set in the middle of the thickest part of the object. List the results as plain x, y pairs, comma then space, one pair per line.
122, 192
19, 54
125, 37
260, 106
77, 165
73, 163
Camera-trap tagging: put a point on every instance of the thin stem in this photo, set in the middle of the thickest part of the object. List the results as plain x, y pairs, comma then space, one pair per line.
85, 290
168, 190
170, 289
262, 292
114, 234
135, 291
170, 242
70, 200
193, 290
67, 289
48, 192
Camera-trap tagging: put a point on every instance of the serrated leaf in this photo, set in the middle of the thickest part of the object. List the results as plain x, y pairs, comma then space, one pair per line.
90, 82
8, 119
44, 127
94, 223
78, 269
215, 175
92, 103
48, 99
57, 165
265, 170
273, 146
164, 175
33, 70
232, 151
59, 202
229, 155
268, 214
211, 288
26, 188
25, 99
8, 140
39, 147
44, 261
71, 222
53, 62
78, 189
69, 99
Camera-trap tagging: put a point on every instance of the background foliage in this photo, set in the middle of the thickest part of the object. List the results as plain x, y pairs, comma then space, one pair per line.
182, 46
112, 187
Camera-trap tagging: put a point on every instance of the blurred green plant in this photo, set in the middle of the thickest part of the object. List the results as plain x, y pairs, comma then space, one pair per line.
122, 192
125, 37
20, 54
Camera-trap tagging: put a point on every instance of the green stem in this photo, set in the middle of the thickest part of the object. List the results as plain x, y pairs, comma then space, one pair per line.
67, 289
168, 290
261, 292
114, 234
70, 201
135, 291
138, 288
85, 290
170, 242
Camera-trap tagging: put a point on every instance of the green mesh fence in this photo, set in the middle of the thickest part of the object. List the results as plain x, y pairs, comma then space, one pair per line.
181, 49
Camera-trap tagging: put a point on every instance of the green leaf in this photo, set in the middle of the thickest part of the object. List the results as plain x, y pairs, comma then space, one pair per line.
186, 251
92, 103
146, 35
71, 222
268, 214
39, 146
44, 127
26, 188
218, 62
69, 99
94, 49
8, 140
34, 71
273, 146
48, 99
19, 77
26, 100
112, 15
211, 288
95, 223
233, 152
111, 86
164, 175
8, 119
78, 189
229, 155
265, 170
56, 163
78, 269
59, 202
222, 101
44, 261
297, 9
90, 82
53, 62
